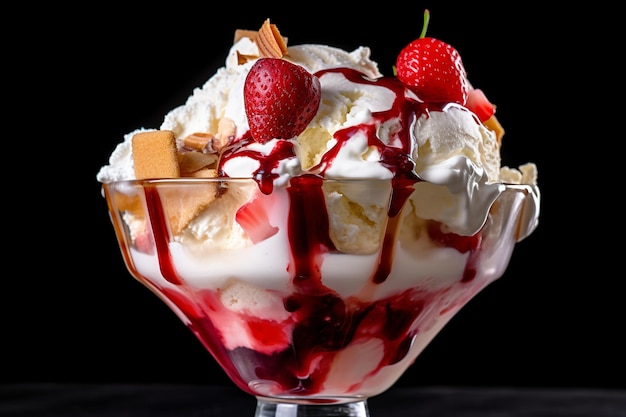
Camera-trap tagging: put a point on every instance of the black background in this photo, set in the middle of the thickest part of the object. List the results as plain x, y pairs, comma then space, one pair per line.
71, 311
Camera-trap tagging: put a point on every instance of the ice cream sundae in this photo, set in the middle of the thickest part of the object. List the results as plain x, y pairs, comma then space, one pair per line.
314, 222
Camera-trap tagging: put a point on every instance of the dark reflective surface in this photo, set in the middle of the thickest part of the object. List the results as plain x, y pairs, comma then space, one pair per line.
117, 400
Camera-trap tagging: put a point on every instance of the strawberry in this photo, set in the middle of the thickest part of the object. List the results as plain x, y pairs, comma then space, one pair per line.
478, 103
452, 240
252, 217
280, 98
433, 69
144, 242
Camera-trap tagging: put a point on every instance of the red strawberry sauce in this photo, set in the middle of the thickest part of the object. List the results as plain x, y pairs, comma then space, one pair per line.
296, 355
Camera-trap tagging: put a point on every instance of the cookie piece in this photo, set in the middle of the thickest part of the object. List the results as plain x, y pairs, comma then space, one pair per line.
154, 155
182, 204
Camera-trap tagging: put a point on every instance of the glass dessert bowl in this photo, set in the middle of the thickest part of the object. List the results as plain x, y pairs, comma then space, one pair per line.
319, 295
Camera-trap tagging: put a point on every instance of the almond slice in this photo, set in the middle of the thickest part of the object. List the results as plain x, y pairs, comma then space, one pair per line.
242, 59
198, 141
191, 161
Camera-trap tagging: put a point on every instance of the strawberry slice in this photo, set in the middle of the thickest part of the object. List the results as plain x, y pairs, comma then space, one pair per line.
253, 218
280, 98
452, 240
478, 103
144, 242
433, 69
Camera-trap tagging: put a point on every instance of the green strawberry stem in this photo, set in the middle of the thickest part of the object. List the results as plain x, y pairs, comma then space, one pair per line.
422, 35
426, 20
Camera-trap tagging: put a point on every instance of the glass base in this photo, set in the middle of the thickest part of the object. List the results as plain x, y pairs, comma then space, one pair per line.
266, 408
